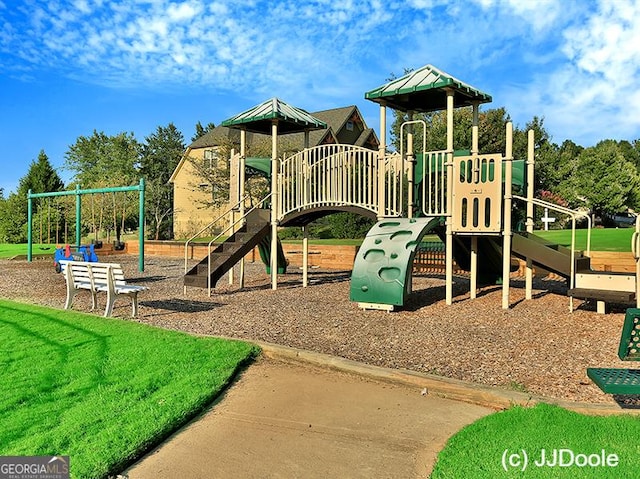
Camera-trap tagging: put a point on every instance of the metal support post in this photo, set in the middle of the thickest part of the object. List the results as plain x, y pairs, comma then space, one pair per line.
474, 240
274, 205
449, 206
411, 160
241, 180
381, 157
506, 249
29, 227
305, 256
78, 217
530, 221
140, 225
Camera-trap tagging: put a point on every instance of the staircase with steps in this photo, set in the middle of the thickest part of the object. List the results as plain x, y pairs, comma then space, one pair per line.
602, 286
256, 228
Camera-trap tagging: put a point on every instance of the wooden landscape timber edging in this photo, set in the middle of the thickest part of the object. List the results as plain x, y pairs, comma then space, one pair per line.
341, 257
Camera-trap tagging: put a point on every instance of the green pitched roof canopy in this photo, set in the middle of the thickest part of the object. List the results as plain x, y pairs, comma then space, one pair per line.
290, 119
424, 90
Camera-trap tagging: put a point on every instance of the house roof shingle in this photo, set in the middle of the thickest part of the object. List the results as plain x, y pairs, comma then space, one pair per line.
335, 119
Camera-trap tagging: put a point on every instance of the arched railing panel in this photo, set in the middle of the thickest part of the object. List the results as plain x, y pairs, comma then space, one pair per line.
338, 175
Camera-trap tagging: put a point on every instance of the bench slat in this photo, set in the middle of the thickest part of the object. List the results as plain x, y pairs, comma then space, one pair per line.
616, 381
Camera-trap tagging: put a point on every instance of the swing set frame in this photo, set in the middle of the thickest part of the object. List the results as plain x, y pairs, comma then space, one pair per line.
78, 194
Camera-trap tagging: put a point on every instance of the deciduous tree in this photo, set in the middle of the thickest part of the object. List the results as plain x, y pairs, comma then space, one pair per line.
161, 153
603, 180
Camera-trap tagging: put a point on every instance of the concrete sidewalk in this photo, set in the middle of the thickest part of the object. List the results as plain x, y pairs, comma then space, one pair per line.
287, 419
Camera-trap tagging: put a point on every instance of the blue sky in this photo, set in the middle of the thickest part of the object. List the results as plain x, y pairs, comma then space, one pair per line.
68, 67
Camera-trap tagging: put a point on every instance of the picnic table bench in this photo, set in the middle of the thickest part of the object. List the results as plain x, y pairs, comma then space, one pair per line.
99, 277
616, 380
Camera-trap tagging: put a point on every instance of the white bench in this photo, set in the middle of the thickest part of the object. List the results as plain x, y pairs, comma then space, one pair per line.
96, 278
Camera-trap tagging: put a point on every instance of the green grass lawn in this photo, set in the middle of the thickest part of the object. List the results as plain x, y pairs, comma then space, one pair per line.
477, 451
602, 239
101, 390
10, 250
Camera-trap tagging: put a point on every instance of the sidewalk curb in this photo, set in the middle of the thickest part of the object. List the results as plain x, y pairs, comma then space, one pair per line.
446, 388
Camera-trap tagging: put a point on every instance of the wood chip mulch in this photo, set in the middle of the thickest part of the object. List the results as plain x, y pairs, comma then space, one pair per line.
536, 346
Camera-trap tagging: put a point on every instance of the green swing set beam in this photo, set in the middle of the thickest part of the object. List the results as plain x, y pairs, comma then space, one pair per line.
78, 194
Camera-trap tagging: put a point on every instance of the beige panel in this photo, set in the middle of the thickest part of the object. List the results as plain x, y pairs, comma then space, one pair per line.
606, 282
477, 194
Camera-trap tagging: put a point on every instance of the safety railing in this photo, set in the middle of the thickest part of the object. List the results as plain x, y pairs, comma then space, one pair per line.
205, 228
231, 227
338, 175
574, 215
395, 176
434, 183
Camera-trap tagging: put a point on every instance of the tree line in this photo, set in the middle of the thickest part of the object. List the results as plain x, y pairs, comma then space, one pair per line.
99, 161
604, 178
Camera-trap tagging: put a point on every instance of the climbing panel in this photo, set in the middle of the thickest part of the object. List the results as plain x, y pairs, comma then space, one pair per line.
381, 277
477, 194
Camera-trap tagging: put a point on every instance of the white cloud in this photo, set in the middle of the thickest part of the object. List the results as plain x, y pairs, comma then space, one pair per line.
82, 6
540, 14
561, 59
183, 11
595, 93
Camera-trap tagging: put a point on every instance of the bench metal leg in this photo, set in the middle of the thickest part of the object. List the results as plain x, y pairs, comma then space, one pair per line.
70, 295
112, 299
94, 300
134, 304
109, 307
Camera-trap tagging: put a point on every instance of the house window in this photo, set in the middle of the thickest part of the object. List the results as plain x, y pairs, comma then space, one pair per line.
349, 125
210, 159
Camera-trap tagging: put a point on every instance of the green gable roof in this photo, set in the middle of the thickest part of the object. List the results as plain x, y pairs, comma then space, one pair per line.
260, 164
424, 90
290, 119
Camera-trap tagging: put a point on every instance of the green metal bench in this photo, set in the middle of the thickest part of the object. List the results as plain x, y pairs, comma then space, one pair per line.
622, 381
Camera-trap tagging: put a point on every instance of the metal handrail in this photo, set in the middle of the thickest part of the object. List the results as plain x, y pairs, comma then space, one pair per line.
186, 244
231, 226
635, 237
573, 214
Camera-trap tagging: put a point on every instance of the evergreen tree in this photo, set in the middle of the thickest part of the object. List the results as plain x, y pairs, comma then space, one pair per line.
202, 130
40, 178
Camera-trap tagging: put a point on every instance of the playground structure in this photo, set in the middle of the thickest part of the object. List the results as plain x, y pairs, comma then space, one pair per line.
466, 198
85, 252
